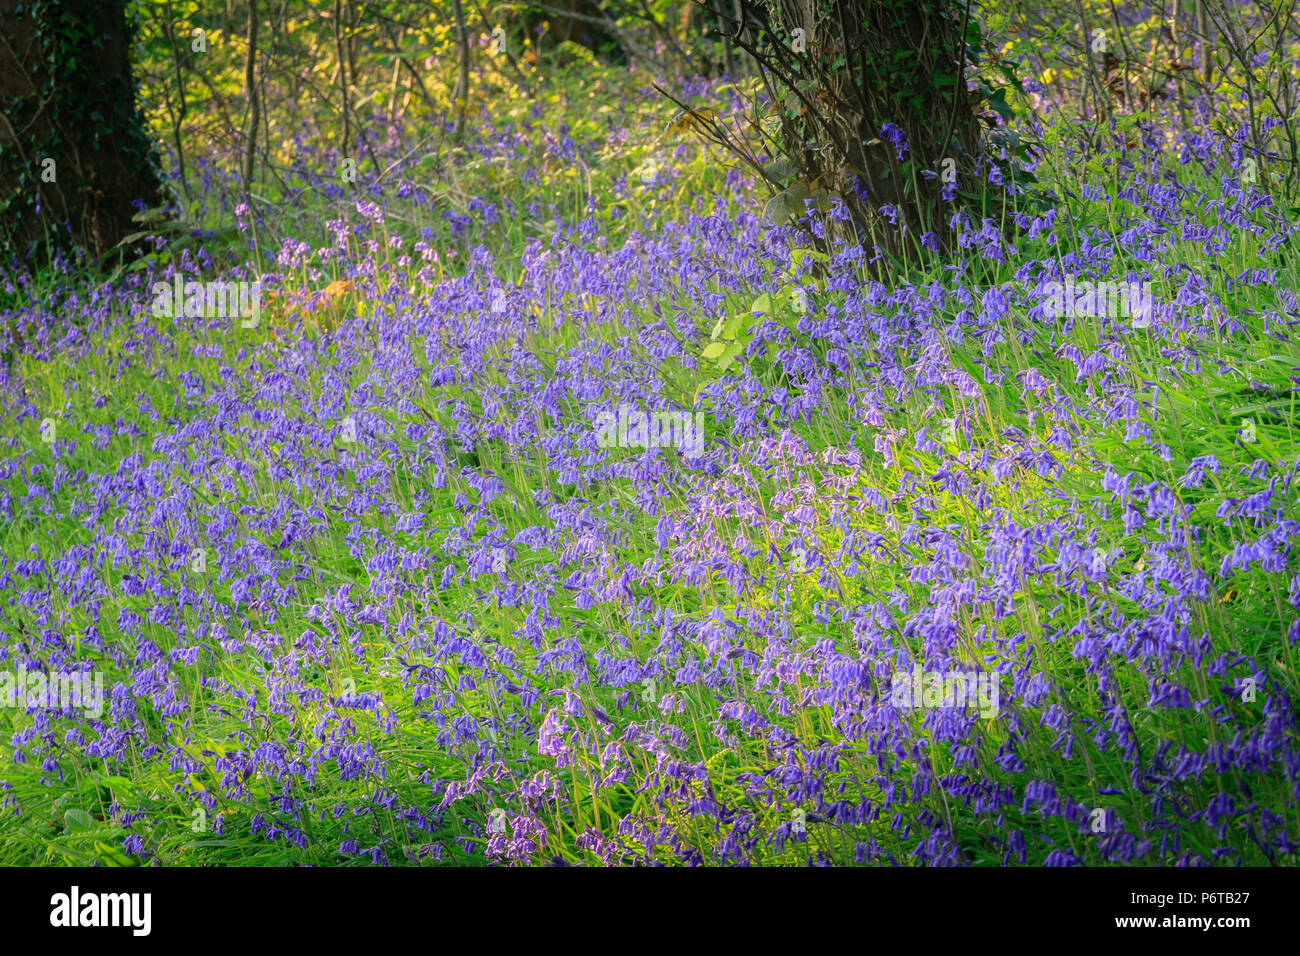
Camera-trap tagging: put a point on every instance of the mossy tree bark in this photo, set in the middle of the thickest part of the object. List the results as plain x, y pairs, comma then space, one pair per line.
856, 83
74, 153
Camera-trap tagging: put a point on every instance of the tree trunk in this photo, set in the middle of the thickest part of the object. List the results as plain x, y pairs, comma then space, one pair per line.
462, 60
74, 153
872, 101
575, 21
250, 91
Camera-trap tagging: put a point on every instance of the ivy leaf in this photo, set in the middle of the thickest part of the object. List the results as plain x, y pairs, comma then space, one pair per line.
997, 99
791, 202
780, 170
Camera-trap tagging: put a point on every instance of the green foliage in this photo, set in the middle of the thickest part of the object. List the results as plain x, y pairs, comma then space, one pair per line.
733, 335
68, 820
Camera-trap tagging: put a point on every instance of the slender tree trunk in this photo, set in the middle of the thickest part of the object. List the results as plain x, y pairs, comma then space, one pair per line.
738, 10
1203, 28
343, 76
250, 91
178, 115
461, 95
728, 58
1177, 37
